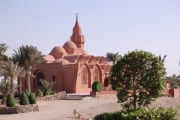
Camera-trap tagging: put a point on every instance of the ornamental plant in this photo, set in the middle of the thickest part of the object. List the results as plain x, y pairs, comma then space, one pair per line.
10, 102
39, 93
32, 99
97, 86
47, 86
27, 93
24, 99
138, 76
139, 114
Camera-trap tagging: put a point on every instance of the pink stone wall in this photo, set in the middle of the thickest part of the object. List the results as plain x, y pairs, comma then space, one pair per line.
174, 92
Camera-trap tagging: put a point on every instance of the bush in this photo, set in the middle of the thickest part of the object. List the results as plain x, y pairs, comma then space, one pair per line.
10, 102
32, 99
46, 92
27, 92
24, 99
47, 86
52, 92
17, 100
97, 86
139, 114
39, 93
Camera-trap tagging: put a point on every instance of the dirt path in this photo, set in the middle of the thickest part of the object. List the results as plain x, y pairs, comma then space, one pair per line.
88, 108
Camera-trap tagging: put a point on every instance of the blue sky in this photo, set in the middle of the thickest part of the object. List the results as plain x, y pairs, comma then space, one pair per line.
108, 26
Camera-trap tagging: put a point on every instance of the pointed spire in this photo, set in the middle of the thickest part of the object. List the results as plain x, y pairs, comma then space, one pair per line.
77, 29
76, 16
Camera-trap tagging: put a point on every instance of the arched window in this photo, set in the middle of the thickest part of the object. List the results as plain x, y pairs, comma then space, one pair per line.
40, 75
95, 74
53, 78
84, 76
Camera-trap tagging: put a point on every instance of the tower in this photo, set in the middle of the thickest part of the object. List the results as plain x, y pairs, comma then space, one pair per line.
77, 36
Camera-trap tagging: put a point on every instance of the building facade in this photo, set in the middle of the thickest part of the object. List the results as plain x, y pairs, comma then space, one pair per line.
73, 69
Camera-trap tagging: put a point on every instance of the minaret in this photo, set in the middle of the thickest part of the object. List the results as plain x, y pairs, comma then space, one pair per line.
77, 36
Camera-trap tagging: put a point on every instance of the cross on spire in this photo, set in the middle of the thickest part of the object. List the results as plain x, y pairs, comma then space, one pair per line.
76, 16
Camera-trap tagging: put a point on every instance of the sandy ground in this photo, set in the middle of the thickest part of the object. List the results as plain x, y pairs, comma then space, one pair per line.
88, 108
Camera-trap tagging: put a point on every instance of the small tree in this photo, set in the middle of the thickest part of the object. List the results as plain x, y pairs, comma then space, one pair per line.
10, 102
138, 76
5, 90
97, 86
32, 99
27, 93
39, 93
24, 99
47, 86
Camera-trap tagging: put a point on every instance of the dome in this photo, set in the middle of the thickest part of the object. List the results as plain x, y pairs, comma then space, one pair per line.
83, 51
63, 61
69, 44
58, 49
77, 31
49, 58
57, 52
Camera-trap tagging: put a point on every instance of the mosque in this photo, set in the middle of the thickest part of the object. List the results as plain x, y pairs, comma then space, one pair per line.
73, 69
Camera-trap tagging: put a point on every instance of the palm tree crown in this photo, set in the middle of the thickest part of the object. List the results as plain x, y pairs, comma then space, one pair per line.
12, 71
3, 49
28, 57
162, 59
112, 57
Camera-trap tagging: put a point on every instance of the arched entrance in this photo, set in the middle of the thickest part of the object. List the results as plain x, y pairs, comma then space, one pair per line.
106, 81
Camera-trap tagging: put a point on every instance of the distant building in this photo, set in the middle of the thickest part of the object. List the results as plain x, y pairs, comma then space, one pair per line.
73, 69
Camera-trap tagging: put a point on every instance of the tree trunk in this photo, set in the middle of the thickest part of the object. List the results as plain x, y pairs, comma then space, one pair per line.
19, 86
12, 86
135, 97
28, 82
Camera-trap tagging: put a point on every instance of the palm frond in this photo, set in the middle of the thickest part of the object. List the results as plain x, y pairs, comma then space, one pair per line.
47, 85
112, 57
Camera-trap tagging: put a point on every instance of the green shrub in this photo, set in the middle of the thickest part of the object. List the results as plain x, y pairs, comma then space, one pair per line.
47, 86
32, 99
27, 92
24, 99
139, 114
46, 92
39, 93
10, 102
17, 100
97, 86
52, 92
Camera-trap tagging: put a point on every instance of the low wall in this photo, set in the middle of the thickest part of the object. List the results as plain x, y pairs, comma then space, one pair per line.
19, 109
56, 96
95, 94
174, 92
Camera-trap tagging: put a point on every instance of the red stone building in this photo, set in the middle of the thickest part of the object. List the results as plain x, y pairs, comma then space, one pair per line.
73, 69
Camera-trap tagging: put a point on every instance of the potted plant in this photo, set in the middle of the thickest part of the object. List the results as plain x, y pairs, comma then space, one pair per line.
96, 88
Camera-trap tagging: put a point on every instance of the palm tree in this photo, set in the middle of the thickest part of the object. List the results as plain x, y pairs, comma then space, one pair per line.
47, 85
162, 59
112, 57
12, 71
3, 49
5, 90
19, 81
173, 80
3, 58
28, 57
